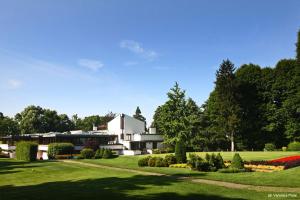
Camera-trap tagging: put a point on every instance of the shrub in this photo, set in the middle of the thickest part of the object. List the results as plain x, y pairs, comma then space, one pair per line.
170, 159
294, 146
270, 147
169, 150
143, 162
180, 152
99, 153
152, 162
107, 153
156, 151
207, 157
219, 162
237, 162
87, 153
55, 149
159, 162
203, 165
0, 150
231, 170
26, 151
284, 148
193, 159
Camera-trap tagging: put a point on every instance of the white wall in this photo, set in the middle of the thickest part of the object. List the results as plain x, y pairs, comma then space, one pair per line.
132, 125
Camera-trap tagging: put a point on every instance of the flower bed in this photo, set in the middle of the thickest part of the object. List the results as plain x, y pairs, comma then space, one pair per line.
183, 165
274, 165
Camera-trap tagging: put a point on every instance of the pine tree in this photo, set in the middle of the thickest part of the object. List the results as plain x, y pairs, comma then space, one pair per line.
228, 108
138, 115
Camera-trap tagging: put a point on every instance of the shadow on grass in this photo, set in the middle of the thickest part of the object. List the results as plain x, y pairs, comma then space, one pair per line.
8, 165
111, 188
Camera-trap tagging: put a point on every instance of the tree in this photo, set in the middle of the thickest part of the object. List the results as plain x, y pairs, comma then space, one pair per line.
8, 126
226, 88
138, 115
178, 119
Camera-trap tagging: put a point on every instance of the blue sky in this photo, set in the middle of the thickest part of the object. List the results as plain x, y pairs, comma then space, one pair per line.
91, 57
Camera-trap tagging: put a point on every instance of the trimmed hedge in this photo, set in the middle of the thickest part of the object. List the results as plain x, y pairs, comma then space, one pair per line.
294, 146
55, 149
26, 151
143, 162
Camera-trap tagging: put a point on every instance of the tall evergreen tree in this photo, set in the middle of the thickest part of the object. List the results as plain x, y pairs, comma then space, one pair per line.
226, 91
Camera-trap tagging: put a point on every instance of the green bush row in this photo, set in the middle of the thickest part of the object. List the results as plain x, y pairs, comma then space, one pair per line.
157, 161
210, 163
88, 153
26, 151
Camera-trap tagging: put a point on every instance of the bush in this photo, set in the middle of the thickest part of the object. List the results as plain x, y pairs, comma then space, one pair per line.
203, 165
159, 162
237, 162
99, 153
219, 162
184, 165
26, 151
152, 162
270, 147
193, 159
231, 170
156, 151
294, 146
87, 153
107, 153
143, 162
170, 159
169, 150
180, 152
284, 148
55, 149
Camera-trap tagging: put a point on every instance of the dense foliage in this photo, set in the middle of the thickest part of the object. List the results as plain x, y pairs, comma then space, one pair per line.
55, 149
249, 107
8, 126
237, 162
26, 151
294, 146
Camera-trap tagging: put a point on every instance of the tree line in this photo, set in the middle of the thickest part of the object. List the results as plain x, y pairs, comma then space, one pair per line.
35, 119
249, 107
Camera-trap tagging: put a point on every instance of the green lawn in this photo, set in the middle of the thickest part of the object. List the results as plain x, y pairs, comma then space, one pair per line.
44, 180
286, 178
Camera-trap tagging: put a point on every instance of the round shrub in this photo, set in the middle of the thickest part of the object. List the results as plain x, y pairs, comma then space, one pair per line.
107, 153
143, 162
270, 147
26, 151
55, 149
180, 152
170, 159
152, 162
87, 153
237, 162
294, 146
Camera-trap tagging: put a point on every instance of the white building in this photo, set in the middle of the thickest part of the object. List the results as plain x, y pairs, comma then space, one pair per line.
132, 135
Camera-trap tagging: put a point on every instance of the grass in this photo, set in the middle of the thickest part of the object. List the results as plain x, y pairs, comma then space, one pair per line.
286, 178
44, 180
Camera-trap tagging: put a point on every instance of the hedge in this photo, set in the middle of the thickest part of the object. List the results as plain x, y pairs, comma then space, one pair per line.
55, 149
26, 151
